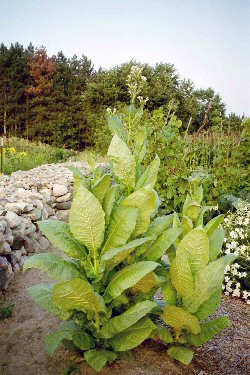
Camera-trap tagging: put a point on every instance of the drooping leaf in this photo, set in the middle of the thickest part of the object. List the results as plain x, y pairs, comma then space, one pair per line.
100, 188
133, 336
180, 319
215, 243
209, 306
207, 282
195, 246
78, 294
60, 236
97, 358
54, 266
86, 220
181, 353
162, 244
209, 330
127, 277
149, 176
123, 161
127, 319
121, 226
53, 339
181, 275
42, 294
116, 127
145, 201
83, 340
109, 201
213, 224
164, 334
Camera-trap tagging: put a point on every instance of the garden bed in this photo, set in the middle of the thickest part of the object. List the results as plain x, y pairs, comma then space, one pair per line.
23, 353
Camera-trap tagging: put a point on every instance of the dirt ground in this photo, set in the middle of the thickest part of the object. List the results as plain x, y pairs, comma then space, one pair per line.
22, 342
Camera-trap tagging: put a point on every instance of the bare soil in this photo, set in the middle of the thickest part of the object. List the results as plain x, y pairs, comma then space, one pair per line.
22, 342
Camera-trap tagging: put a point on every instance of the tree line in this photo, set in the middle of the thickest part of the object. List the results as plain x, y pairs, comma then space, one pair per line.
62, 101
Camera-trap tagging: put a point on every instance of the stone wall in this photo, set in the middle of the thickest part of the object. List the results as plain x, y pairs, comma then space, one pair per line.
25, 198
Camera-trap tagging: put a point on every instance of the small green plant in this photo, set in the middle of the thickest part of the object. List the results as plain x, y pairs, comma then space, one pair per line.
6, 312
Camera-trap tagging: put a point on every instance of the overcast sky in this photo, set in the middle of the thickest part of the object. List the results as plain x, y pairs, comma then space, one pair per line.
208, 41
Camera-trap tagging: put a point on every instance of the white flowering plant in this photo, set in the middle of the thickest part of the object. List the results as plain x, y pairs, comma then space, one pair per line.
237, 275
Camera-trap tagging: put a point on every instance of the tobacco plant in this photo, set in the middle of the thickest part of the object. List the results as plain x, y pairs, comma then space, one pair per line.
114, 243
99, 288
194, 287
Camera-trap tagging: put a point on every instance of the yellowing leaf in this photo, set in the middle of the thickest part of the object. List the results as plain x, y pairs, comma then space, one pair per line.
180, 319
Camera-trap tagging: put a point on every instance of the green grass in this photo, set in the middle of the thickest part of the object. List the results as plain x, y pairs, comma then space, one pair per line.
21, 154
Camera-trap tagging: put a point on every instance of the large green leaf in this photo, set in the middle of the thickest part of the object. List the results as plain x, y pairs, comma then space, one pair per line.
149, 177
207, 282
42, 294
182, 354
209, 306
97, 358
117, 127
209, 330
100, 188
162, 244
215, 243
60, 236
123, 161
133, 336
213, 224
127, 277
127, 319
180, 319
53, 265
121, 226
145, 200
195, 246
181, 275
53, 339
115, 256
109, 201
86, 220
79, 295
119, 250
